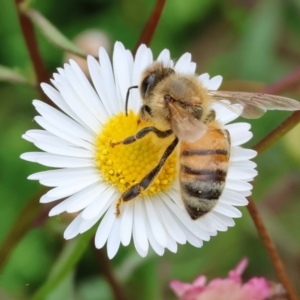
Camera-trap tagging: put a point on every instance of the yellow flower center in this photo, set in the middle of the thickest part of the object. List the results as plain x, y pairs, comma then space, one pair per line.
125, 165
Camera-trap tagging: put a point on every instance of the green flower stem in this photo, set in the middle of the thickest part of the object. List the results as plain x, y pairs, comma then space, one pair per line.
21, 226
147, 34
67, 260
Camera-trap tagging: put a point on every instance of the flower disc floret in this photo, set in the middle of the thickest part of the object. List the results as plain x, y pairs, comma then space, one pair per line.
125, 165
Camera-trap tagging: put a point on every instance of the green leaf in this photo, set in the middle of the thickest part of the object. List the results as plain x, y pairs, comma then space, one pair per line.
52, 33
258, 47
9, 75
68, 258
65, 289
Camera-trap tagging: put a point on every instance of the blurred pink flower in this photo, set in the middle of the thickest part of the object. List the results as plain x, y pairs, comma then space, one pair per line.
231, 287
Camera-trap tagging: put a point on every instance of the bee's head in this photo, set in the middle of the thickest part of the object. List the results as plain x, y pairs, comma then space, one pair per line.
155, 73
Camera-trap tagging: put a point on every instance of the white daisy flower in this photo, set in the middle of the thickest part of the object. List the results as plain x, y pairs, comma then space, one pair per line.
91, 175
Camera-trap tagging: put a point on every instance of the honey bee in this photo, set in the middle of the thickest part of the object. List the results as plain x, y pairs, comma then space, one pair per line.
178, 105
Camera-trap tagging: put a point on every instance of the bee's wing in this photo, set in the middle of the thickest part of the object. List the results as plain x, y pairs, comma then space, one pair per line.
185, 126
254, 105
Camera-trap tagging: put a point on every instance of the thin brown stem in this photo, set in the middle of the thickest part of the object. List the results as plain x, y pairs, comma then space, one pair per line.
151, 25
277, 133
32, 47
105, 265
290, 122
260, 147
271, 249
283, 83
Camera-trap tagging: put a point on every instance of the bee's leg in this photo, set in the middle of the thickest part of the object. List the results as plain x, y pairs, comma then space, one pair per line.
227, 135
145, 112
211, 116
142, 133
137, 188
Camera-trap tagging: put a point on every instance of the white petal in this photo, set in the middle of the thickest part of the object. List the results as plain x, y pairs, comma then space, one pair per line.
113, 242
57, 98
239, 153
38, 135
104, 81
164, 56
204, 79
154, 244
155, 223
227, 221
214, 83
172, 245
61, 173
73, 229
70, 203
140, 251
97, 79
238, 185
127, 223
121, 71
139, 229
46, 199
85, 197
79, 108
183, 63
206, 225
86, 97
245, 193
219, 225
227, 210
54, 129
241, 173
243, 164
59, 208
192, 239
67, 190
239, 133
175, 195
105, 227
64, 150
233, 198
66, 123
172, 226
88, 175
57, 161
87, 93
88, 224
143, 59
223, 114
183, 217
99, 204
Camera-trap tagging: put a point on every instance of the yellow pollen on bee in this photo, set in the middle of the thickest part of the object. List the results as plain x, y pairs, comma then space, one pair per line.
125, 165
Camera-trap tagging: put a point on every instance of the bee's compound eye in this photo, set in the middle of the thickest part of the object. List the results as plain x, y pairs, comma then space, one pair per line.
147, 84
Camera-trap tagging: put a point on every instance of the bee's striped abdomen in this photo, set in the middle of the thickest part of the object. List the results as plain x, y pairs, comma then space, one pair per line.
203, 170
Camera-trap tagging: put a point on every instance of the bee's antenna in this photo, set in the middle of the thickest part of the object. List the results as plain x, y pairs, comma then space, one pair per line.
127, 97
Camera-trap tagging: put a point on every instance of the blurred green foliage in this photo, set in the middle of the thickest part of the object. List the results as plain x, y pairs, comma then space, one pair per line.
251, 43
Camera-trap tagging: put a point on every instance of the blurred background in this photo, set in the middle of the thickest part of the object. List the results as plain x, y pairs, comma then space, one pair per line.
251, 43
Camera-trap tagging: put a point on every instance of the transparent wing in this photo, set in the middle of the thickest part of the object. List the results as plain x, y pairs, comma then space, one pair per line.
254, 105
185, 126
